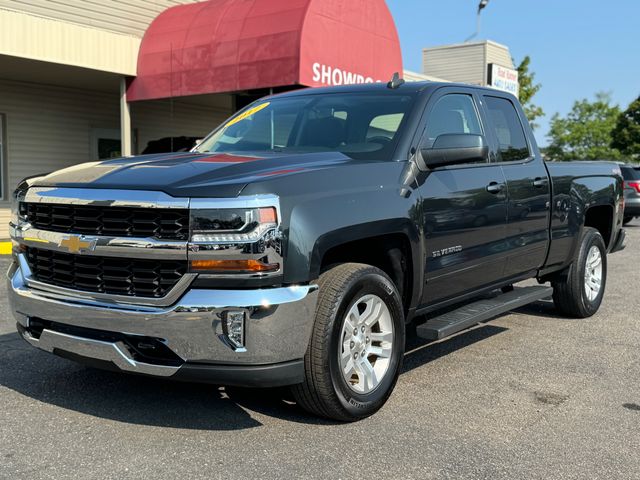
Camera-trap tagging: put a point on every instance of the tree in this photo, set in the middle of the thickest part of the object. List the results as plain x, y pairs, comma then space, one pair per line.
527, 90
626, 133
585, 133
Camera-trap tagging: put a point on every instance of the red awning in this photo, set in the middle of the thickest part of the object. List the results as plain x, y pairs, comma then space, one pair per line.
233, 45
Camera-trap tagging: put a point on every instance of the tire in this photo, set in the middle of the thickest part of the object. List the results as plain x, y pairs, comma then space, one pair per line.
350, 290
626, 220
570, 293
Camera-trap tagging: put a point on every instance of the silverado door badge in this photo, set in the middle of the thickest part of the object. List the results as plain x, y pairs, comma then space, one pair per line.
447, 251
78, 244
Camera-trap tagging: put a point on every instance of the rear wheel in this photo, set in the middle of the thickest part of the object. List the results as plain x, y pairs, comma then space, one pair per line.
579, 294
626, 220
356, 349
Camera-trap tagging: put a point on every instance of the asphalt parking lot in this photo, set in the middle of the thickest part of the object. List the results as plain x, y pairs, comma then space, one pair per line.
528, 395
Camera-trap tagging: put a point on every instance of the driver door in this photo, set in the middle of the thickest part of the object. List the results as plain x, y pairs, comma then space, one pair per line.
464, 206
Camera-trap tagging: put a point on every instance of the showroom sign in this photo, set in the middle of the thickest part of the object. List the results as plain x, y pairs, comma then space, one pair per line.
328, 75
503, 78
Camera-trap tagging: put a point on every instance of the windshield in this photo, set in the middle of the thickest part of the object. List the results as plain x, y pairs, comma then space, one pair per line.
362, 126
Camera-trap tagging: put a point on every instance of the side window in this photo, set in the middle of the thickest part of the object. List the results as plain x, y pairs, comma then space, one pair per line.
508, 129
454, 113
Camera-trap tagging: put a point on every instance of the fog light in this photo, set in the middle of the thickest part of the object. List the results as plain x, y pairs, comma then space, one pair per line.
233, 325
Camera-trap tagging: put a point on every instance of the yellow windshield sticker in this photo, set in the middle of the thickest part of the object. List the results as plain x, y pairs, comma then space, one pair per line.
247, 114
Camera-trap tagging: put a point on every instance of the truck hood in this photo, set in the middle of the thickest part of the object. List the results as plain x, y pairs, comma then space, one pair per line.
188, 174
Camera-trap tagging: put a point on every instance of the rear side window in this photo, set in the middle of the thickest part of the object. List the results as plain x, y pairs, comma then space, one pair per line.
508, 129
631, 173
454, 113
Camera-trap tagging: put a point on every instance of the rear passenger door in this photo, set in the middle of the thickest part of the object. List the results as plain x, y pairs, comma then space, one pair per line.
463, 207
528, 185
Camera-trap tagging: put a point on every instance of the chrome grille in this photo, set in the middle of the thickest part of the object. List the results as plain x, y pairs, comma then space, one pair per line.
117, 276
166, 224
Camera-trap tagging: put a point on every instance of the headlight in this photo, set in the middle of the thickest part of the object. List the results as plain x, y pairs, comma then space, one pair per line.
231, 225
235, 241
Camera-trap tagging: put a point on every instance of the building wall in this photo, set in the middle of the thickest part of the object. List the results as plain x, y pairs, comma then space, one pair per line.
499, 54
5, 214
156, 119
410, 76
130, 17
465, 62
33, 37
50, 127
457, 63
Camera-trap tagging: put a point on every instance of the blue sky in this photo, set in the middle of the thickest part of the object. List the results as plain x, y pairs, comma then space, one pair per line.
577, 48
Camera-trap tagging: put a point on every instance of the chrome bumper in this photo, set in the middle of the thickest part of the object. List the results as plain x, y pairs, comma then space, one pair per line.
278, 328
115, 353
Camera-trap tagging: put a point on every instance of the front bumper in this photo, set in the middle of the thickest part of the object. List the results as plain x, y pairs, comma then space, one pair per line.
278, 328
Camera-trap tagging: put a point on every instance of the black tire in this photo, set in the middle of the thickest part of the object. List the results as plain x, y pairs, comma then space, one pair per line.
569, 294
626, 220
325, 391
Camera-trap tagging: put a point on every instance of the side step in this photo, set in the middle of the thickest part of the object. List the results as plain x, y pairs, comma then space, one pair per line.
469, 315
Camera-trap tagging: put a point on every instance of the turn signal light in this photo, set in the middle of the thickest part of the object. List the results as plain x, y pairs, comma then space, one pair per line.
268, 215
233, 266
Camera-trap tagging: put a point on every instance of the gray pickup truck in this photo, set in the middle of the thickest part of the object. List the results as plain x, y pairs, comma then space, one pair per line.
298, 242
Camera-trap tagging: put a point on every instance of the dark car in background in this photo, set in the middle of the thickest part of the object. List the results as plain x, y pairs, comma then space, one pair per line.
631, 175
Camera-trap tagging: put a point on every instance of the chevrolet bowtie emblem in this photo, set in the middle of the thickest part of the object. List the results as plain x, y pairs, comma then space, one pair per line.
76, 244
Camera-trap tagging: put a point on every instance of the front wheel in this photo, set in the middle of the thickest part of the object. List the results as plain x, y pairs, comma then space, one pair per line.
357, 344
579, 294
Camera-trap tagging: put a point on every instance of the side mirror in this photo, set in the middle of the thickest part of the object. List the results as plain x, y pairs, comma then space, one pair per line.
453, 149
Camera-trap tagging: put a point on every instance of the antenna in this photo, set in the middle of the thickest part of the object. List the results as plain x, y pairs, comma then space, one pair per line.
395, 82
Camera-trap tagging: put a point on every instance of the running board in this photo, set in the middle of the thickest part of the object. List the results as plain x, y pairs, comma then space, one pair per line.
471, 314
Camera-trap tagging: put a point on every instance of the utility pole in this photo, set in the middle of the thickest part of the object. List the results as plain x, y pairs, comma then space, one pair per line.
481, 6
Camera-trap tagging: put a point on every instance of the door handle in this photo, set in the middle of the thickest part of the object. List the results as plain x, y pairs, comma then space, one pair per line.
495, 187
540, 182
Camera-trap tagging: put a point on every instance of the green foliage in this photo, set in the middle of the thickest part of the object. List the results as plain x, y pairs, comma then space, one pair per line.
585, 133
528, 88
626, 134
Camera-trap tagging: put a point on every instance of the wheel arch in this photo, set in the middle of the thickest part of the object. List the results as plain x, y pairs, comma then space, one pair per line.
392, 246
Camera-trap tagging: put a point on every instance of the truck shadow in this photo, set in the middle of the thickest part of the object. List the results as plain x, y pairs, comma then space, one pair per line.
421, 352
162, 403
541, 308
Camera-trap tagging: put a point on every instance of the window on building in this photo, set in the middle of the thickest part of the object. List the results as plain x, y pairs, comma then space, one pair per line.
455, 113
3, 154
508, 129
105, 143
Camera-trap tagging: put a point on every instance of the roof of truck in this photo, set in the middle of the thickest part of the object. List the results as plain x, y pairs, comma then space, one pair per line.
407, 87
